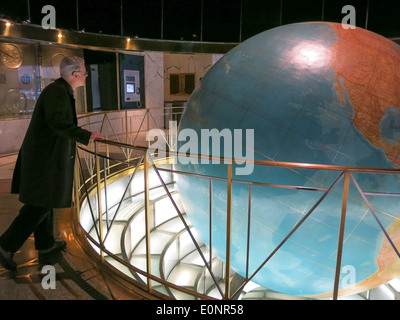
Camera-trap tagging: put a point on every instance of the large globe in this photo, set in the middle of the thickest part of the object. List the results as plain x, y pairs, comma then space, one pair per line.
313, 93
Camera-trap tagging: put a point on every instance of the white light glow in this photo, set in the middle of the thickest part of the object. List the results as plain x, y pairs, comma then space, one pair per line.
309, 54
382, 293
185, 277
395, 283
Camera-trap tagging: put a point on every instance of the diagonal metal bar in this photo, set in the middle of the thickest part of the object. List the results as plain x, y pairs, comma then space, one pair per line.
102, 122
375, 216
99, 207
105, 192
291, 233
345, 196
89, 162
137, 132
208, 265
166, 140
123, 195
112, 129
87, 197
125, 152
384, 194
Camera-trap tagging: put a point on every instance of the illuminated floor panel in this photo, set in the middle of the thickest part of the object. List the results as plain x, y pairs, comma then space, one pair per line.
174, 257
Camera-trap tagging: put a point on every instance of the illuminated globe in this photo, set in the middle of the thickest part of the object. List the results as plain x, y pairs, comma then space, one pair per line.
313, 93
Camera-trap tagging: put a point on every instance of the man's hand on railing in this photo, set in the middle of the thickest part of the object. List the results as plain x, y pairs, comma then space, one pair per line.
96, 136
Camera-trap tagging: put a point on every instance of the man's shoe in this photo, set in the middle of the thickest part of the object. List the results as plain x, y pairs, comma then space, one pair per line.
51, 255
6, 260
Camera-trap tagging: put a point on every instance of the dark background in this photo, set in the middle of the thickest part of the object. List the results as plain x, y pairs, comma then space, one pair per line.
201, 20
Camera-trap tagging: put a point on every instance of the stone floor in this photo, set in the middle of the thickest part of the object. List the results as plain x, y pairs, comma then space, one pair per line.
77, 276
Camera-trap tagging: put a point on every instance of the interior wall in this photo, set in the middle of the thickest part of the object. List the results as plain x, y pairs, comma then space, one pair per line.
22, 83
154, 84
197, 63
41, 63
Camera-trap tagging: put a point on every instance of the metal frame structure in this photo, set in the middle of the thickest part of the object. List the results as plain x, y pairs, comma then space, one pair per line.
105, 173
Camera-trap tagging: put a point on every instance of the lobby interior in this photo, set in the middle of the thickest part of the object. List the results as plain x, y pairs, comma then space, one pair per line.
170, 54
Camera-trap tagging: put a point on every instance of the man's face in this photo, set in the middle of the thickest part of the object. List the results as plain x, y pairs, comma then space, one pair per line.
81, 75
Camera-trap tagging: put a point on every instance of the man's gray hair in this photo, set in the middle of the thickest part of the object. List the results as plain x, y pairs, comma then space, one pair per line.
69, 65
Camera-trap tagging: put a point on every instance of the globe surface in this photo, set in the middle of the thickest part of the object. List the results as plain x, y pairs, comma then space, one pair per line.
313, 93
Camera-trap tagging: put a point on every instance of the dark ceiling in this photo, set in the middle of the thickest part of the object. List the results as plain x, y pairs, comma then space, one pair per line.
201, 20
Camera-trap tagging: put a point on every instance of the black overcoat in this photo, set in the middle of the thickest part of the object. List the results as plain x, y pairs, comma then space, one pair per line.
43, 174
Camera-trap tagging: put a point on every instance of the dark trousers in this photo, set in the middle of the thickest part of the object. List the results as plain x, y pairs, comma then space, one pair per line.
31, 219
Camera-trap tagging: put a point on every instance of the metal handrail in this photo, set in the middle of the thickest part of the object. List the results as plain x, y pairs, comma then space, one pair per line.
99, 232
346, 173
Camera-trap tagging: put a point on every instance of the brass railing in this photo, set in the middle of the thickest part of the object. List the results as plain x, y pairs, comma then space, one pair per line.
132, 159
125, 126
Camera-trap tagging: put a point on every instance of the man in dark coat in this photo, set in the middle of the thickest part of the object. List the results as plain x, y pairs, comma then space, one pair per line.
43, 174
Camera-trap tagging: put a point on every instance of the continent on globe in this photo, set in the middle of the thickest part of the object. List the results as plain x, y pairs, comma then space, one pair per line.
371, 77
313, 93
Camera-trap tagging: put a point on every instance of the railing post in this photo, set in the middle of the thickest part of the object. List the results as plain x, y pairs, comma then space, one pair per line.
100, 212
147, 217
106, 164
126, 127
228, 232
211, 223
106, 120
77, 185
248, 232
147, 114
347, 175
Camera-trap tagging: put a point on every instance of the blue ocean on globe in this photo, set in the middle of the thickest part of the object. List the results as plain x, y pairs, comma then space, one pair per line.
313, 93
